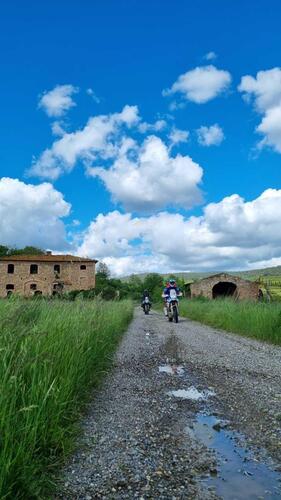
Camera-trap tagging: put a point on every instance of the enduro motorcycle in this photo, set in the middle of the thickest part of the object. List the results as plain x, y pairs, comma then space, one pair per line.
173, 306
146, 305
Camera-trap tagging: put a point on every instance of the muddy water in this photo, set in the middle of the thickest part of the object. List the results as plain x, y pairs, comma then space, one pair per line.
239, 475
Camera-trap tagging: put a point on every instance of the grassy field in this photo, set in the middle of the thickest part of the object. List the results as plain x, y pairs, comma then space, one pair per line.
51, 354
259, 320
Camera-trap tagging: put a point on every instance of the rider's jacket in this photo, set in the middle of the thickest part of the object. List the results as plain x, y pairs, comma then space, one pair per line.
166, 292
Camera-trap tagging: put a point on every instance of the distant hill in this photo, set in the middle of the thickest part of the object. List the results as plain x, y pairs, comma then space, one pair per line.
253, 274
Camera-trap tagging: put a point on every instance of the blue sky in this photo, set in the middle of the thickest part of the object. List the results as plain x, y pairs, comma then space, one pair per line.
160, 205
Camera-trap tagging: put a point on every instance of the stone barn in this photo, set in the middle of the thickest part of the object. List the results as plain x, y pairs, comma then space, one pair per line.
225, 285
46, 274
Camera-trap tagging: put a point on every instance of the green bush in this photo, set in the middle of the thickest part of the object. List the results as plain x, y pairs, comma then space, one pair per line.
51, 353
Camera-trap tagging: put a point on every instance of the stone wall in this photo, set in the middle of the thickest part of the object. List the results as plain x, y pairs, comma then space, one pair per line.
245, 289
46, 280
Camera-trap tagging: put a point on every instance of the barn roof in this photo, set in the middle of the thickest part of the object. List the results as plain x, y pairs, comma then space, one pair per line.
46, 258
225, 276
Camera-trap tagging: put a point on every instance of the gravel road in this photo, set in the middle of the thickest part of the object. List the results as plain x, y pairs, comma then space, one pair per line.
136, 440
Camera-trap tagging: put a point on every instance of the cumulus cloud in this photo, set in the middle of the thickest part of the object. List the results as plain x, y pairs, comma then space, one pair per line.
201, 84
148, 177
145, 127
265, 90
97, 140
31, 215
57, 101
231, 234
210, 56
57, 128
176, 136
210, 136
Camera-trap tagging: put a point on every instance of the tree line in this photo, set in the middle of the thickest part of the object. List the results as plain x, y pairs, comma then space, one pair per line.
28, 250
110, 288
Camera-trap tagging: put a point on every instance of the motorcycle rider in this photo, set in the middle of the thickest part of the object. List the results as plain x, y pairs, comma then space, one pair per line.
144, 295
170, 285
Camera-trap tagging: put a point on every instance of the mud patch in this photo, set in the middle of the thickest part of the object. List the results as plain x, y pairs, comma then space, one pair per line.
173, 350
239, 475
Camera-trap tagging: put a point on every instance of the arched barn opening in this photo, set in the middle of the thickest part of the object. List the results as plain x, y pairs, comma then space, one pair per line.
224, 289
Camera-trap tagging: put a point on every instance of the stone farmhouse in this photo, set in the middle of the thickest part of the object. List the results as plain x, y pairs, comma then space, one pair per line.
226, 285
46, 274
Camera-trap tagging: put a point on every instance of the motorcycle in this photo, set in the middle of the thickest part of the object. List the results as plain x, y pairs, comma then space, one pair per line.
173, 306
146, 305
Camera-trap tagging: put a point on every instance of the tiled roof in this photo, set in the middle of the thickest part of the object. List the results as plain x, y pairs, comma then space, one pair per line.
46, 258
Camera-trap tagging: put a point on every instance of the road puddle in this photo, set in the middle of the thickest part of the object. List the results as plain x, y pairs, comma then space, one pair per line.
172, 369
240, 475
191, 393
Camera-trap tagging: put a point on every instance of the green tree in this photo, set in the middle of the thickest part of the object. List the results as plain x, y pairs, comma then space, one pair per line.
3, 250
153, 282
103, 270
28, 250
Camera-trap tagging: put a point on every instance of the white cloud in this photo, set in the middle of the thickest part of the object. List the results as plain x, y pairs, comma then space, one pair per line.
231, 234
210, 56
176, 136
145, 127
31, 215
57, 128
149, 178
210, 136
201, 84
57, 101
93, 95
97, 140
265, 89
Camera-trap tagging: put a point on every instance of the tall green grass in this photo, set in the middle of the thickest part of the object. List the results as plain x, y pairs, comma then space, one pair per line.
51, 353
259, 320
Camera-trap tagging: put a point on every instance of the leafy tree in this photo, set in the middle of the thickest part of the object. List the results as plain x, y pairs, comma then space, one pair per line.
153, 282
103, 270
28, 250
3, 250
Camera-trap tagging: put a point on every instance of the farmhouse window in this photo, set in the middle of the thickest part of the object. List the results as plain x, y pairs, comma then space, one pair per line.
11, 268
57, 268
33, 286
10, 287
33, 269
83, 267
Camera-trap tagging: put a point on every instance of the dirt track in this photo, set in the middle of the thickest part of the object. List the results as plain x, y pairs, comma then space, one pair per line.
140, 441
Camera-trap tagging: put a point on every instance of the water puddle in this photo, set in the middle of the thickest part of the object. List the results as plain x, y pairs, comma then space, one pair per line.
240, 475
172, 369
191, 393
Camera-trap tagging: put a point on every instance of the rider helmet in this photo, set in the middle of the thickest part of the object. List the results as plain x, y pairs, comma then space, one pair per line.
172, 282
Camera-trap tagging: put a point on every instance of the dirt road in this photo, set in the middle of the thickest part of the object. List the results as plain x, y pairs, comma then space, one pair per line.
187, 412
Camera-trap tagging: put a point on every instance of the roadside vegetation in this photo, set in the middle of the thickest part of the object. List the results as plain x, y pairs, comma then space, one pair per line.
132, 288
51, 354
259, 320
